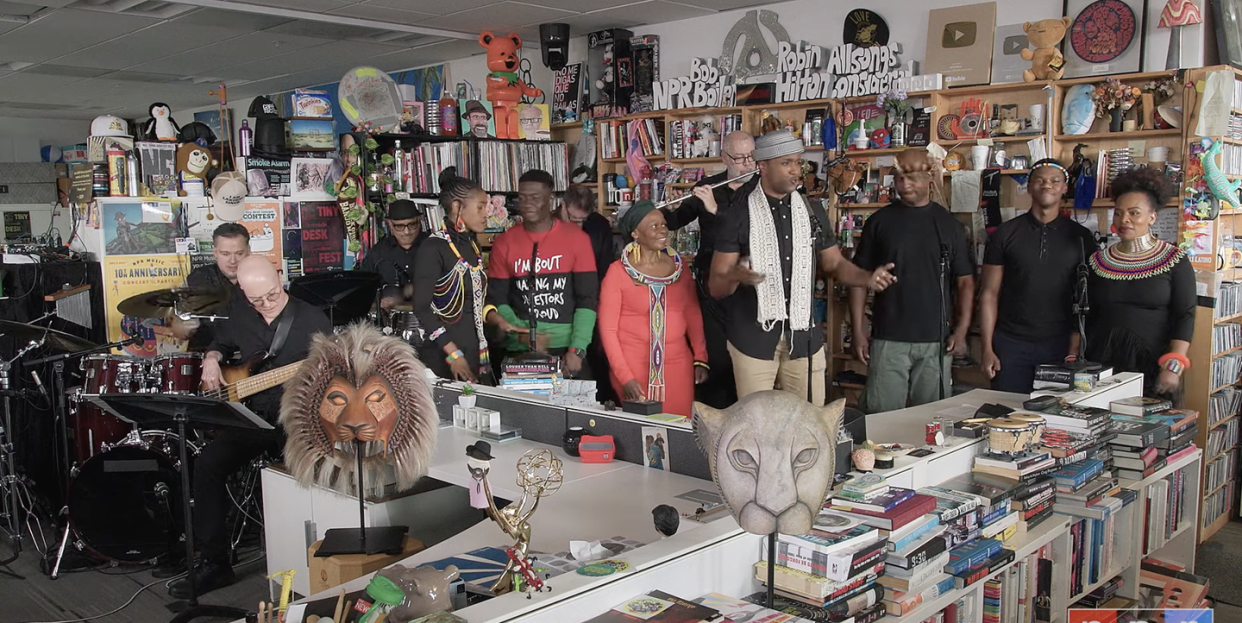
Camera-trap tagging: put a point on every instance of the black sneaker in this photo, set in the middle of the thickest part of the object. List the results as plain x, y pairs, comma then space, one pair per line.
168, 569
208, 575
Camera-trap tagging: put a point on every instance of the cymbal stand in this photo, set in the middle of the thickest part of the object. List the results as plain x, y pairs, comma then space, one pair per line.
9, 482
185, 315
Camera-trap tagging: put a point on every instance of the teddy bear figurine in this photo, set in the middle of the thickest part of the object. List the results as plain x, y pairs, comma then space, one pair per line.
505, 89
1047, 62
426, 590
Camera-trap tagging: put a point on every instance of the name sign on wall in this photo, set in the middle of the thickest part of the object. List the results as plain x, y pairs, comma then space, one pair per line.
866, 71
704, 87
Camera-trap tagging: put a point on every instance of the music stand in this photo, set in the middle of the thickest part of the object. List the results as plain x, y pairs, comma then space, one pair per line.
345, 296
185, 413
362, 540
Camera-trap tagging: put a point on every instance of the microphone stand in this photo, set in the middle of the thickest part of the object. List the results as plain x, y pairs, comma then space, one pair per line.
943, 287
1082, 306
10, 482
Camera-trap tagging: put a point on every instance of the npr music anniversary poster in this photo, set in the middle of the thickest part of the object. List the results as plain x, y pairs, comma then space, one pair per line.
128, 275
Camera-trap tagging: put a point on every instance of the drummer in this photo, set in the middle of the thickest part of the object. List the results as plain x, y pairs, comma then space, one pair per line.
230, 245
393, 256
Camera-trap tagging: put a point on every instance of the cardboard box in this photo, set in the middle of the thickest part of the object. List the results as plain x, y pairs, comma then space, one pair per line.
333, 571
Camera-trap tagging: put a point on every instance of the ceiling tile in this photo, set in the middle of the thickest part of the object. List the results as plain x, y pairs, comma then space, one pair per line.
429, 55
244, 49
325, 30
21, 85
584, 6
505, 16
657, 11
68, 71
144, 46
314, 6
20, 8
435, 7
352, 53
384, 14
46, 38
726, 5
591, 22
233, 20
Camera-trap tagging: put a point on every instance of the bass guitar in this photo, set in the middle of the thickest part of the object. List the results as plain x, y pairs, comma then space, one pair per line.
242, 380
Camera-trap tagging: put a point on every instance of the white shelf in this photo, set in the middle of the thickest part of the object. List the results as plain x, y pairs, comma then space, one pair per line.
1104, 579
1023, 546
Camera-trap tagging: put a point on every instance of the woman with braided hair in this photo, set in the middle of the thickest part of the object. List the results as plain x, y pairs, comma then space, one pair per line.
450, 286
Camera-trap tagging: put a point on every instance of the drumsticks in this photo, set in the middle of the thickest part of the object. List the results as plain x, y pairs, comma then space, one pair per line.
340, 603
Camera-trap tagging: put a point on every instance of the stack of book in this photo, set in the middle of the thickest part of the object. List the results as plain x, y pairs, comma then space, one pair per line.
532, 375
1101, 595
1025, 479
1091, 497
997, 516
971, 556
1149, 434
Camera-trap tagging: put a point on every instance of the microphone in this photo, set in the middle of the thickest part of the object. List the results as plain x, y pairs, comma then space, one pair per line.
161, 490
34, 374
944, 251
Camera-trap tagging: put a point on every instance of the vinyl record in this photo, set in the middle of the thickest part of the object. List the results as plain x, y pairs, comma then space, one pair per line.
944, 127
971, 124
1103, 31
865, 29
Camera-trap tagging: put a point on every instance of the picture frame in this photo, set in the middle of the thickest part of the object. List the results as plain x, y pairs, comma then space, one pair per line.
412, 113
312, 134
1105, 37
307, 179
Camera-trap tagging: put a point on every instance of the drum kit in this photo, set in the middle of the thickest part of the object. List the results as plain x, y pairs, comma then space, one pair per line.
1017, 434
123, 485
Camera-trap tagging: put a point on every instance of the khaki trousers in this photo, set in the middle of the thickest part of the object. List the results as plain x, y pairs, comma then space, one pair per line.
781, 372
906, 374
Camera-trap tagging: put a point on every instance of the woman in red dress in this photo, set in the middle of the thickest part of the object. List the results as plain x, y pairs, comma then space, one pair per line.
649, 319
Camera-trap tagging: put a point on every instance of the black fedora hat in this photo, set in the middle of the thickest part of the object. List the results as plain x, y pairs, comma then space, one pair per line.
480, 450
475, 106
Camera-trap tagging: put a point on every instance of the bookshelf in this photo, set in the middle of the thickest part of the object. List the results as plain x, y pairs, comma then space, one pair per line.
1216, 351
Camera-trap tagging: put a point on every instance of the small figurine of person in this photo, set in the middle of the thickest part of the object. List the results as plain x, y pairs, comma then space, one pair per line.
479, 462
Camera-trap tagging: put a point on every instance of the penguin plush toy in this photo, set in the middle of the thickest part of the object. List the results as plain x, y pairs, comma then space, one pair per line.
160, 127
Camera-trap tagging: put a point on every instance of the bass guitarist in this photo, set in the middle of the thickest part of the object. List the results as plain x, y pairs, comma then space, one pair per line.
274, 322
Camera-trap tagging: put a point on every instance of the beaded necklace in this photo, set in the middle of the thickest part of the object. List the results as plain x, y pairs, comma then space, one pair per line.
448, 297
656, 312
1113, 263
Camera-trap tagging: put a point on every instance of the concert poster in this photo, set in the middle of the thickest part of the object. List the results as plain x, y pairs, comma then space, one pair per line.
263, 220
126, 276
323, 237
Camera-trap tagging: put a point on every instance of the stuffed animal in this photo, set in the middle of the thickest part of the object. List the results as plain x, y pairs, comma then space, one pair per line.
505, 89
426, 591
193, 161
160, 127
1047, 62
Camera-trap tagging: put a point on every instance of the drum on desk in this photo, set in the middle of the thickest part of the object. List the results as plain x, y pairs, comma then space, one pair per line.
1010, 436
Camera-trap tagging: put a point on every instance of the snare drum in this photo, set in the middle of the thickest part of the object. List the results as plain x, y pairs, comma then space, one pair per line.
1009, 436
1032, 418
176, 373
113, 374
404, 324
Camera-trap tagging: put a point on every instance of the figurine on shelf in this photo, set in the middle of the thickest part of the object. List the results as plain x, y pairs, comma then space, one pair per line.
880, 139
505, 89
161, 126
1047, 62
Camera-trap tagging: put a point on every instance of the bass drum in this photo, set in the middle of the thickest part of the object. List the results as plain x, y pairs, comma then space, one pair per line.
125, 503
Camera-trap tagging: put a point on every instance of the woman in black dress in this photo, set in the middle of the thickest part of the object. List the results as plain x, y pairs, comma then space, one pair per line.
450, 286
1142, 291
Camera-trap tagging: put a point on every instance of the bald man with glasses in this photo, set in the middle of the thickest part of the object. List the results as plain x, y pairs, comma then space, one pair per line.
737, 155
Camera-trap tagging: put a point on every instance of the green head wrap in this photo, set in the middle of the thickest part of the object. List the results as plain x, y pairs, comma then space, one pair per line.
632, 217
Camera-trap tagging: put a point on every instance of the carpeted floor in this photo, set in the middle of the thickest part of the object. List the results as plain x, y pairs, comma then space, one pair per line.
1220, 559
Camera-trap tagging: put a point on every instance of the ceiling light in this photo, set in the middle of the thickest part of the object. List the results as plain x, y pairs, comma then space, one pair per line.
242, 7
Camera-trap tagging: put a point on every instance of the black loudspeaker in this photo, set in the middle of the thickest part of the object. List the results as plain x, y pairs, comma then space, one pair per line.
554, 42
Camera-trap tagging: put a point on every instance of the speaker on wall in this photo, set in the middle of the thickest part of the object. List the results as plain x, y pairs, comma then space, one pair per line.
554, 42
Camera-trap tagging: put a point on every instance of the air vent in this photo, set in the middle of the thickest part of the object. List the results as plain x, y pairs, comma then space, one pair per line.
143, 76
66, 70
141, 8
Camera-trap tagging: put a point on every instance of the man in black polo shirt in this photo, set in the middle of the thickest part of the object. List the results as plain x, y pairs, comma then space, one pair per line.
737, 153
230, 245
1029, 270
251, 328
783, 237
910, 361
393, 256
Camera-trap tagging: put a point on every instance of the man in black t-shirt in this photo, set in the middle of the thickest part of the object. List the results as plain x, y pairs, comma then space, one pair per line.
253, 324
909, 355
783, 238
393, 256
737, 154
230, 245
1029, 272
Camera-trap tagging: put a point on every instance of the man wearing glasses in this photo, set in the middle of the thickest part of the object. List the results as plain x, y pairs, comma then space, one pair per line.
737, 154
530, 121
269, 321
393, 256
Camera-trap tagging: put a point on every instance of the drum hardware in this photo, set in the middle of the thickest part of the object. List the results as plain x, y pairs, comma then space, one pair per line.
185, 303
8, 467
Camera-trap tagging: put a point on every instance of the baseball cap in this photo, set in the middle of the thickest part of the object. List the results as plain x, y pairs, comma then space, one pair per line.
109, 125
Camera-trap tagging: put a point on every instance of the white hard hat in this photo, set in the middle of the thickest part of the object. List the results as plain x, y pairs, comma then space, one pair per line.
109, 125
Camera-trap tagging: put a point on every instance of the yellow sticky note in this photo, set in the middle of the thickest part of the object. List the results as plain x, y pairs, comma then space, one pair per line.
1138, 149
985, 142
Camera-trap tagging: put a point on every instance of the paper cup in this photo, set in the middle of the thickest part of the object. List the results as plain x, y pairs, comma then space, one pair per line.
979, 156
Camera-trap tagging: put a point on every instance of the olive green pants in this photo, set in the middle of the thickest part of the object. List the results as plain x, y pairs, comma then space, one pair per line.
903, 374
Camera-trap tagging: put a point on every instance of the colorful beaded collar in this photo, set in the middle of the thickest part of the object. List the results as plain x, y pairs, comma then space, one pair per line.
1112, 263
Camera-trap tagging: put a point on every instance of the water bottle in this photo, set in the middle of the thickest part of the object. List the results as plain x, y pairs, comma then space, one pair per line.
245, 138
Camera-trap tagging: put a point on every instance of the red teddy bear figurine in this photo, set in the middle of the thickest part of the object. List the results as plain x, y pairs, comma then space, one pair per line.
504, 88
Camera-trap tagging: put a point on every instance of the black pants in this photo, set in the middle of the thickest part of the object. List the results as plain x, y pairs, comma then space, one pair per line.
1019, 358
228, 452
719, 391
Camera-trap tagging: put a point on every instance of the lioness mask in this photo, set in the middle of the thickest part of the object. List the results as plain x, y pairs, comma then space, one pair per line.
772, 455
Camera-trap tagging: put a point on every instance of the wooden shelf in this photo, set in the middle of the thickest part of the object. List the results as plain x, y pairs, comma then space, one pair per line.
867, 153
860, 206
1218, 455
1218, 488
704, 112
1225, 386
596, 183
1228, 352
1227, 319
1003, 172
623, 160
715, 159
1207, 531
1126, 78
1137, 134
996, 139
1222, 421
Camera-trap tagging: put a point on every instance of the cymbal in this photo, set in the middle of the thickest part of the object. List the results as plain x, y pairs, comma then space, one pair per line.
59, 340
156, 304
